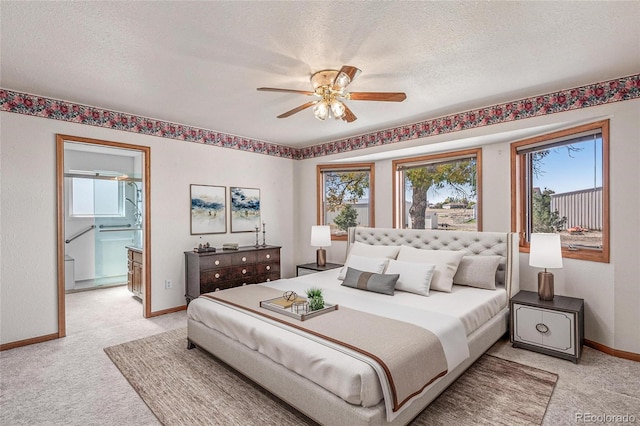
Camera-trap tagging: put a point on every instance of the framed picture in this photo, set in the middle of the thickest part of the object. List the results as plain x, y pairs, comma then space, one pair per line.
245, 209
208, 209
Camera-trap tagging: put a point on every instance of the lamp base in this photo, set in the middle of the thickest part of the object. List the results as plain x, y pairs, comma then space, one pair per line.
321, 257
545, 285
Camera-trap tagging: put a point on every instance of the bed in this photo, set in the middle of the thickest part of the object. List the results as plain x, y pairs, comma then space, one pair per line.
334, 386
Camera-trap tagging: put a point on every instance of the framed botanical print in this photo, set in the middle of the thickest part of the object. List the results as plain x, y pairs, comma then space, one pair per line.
245, 209
208, 209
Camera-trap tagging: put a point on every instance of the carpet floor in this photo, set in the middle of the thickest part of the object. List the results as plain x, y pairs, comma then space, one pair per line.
191, 387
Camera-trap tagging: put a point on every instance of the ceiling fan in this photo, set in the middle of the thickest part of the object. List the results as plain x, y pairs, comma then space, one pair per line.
329, 87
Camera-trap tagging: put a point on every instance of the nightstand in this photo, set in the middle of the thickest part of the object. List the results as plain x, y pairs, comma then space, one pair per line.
552, 327
312, 268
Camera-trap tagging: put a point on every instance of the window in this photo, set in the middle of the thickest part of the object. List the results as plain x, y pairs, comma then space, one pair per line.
440, 191
345, 197
96, 197
561, 183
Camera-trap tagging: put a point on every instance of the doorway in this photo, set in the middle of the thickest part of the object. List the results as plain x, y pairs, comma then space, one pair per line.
103, 218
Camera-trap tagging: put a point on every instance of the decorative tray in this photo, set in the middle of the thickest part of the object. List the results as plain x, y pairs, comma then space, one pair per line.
277, 305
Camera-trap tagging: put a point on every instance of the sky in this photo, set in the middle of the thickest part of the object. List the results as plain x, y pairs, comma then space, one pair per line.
566, 171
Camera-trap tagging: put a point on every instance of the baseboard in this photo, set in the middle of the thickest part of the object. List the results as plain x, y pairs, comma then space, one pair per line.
26, 342
610, 351
168, 311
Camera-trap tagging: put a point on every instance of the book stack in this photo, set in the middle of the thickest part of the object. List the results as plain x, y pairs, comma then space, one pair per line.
230, 246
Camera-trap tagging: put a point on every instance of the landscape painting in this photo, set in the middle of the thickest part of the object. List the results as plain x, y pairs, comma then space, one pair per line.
245, 209
208, 209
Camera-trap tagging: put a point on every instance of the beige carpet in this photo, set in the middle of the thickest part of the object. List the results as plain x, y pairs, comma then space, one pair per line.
191, 387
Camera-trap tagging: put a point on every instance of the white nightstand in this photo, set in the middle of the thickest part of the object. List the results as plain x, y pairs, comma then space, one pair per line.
553, 327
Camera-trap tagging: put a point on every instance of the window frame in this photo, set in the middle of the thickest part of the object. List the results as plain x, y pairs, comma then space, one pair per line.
519, 200
321, 168
398, 212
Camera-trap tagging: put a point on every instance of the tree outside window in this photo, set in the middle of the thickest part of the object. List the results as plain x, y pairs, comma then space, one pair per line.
346, 197
562, 187
438, 191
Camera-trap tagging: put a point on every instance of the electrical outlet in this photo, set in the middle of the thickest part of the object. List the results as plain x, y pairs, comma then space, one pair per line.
168, 284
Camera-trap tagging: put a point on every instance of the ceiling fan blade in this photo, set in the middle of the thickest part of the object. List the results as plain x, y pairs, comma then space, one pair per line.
345, 76
273, 89
378, 96
349, 116
297, 109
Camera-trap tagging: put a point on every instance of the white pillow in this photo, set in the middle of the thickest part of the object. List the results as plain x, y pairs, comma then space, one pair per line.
367, 250
477, 271
415, 277
446, 262
366, 264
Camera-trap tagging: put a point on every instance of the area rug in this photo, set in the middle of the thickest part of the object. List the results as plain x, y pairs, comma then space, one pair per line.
191, 387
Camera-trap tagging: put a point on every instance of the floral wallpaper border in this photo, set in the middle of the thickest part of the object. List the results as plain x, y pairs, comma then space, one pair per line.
620, 89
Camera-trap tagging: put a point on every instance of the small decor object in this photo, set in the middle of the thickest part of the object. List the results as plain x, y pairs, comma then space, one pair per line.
204, 248
208, 209
321, 237
289, 296
264, 239
245, 209
257, 233
300, 308
315, 299
545, 252
230, 246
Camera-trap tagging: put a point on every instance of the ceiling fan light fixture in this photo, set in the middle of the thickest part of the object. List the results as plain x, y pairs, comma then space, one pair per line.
342, 81
337, 108
321, 110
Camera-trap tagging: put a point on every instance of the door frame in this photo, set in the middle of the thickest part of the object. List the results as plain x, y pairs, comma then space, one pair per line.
146, 258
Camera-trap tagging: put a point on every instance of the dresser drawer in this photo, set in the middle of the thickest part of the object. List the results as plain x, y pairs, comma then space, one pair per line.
214, 261
553, 330
267, 268
268, 255
216, 275
243, 258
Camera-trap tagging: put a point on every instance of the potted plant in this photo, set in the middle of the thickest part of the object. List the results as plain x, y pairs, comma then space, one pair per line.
315, 299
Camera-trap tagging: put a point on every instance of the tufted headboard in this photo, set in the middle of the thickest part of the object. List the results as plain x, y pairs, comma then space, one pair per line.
474, 243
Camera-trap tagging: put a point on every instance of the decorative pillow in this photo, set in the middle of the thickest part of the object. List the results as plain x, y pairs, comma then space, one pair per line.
477, 271
367, 250
367, 264
369, 281
446, 262
414, 277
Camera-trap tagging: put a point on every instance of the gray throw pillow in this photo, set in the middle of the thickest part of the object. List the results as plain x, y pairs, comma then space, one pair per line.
369, 281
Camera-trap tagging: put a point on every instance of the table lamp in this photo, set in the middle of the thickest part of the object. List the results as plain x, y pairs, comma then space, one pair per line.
321, 237
545, 252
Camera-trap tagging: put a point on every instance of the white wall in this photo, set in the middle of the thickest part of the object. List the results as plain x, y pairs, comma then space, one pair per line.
611, 291
28, 287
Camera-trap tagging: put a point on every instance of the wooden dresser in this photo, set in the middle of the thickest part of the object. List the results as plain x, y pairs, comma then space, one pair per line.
206, 272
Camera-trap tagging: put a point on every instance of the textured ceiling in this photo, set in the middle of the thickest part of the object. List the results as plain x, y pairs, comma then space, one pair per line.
199, 63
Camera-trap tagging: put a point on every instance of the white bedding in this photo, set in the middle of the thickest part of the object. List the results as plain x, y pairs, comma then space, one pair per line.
454, 315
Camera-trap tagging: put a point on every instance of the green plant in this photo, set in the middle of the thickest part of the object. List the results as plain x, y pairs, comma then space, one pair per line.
315, 299
348, 217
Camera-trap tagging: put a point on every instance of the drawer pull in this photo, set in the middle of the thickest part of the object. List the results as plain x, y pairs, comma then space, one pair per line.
217, 262
217, 275
244, 284
217, 289
268, 268
268, 256
542, 328
268, 279
244, 259
244, 271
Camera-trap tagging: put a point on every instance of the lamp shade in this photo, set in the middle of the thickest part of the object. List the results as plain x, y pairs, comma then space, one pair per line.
545, 251
320, 236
